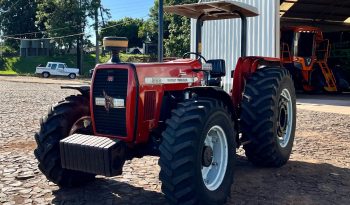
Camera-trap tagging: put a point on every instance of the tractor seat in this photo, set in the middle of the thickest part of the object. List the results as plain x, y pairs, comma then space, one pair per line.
218, 71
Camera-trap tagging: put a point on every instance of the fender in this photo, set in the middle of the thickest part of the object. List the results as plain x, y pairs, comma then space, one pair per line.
83, 89
245, 67
217, 93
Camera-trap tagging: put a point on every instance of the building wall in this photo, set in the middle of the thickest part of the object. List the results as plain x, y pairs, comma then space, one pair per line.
222, 39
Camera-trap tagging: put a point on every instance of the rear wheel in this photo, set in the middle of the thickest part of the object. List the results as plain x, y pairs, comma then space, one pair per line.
66, 118
342, 83
198, 153
268, 117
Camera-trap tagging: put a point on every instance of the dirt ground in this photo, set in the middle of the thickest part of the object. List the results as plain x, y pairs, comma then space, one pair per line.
317, 173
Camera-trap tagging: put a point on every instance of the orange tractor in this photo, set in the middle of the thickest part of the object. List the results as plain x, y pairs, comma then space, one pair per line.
305, 53
176, 110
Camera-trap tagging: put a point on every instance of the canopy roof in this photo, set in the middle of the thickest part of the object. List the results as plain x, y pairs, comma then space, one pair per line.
330, 15
213, 10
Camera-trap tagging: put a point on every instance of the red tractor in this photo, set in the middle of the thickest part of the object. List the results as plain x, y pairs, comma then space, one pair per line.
175, 110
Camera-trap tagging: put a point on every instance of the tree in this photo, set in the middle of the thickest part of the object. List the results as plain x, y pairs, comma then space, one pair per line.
126, 27
177, 33
18, 17
149, 30
179, 40
61, 18
68, 17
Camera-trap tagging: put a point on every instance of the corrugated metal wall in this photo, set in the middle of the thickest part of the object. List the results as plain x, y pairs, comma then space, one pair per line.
222, 39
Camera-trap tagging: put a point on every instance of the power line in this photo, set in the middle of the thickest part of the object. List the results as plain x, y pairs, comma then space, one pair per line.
58, 37
9, 9
57, 29
50, 30
51, 38
114, 25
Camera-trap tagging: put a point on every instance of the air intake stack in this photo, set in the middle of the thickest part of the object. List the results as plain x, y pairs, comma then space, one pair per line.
115, 45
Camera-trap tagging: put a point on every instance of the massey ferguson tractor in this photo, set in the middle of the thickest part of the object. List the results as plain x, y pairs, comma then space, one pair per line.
175, 110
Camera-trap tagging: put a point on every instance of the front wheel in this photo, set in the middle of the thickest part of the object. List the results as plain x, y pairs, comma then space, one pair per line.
45, 74
197, 153
72, 76
69, 116
268, 117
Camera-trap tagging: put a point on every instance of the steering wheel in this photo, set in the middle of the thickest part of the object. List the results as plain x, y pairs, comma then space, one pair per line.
199, 56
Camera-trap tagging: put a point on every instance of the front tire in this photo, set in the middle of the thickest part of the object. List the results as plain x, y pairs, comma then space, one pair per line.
268, 117
72, 76
45, 75
197, 153
62, 120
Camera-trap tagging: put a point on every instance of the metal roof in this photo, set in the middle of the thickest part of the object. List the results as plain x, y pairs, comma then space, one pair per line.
213, 10
330, 15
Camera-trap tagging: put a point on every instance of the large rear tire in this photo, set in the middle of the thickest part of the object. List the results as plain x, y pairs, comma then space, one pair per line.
197, 153
342, 83
268, 117
63, 119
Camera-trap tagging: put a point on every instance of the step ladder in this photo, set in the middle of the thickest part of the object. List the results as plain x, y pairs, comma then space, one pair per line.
322, 53
329, 77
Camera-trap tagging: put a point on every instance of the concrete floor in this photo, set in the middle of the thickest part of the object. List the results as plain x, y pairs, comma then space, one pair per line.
332, 103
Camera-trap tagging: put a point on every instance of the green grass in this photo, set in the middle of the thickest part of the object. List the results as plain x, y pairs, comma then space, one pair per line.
27, 65
7, 72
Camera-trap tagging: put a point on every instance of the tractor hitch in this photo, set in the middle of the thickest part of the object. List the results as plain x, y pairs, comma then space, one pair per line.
92, 154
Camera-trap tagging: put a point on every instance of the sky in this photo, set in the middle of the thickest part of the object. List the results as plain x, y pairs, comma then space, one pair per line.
128, 8
124, 8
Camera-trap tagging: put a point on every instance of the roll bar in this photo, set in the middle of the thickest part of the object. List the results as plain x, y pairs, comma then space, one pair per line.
216, 11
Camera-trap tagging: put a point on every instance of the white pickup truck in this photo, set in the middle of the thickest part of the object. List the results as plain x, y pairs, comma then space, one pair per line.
57, 68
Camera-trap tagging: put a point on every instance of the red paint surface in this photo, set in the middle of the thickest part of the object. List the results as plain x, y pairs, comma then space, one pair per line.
179, 68
169, 69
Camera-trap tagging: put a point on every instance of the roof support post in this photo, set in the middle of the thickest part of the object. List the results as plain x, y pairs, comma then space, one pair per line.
160, 31
199, 25
244, 34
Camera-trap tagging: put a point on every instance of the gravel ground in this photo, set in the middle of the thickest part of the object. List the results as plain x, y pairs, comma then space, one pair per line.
318, 172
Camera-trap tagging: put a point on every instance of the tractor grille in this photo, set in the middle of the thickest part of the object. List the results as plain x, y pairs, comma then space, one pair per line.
111, 83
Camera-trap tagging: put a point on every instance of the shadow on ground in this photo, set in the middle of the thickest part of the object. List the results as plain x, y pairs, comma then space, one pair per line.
107, 191
298, 182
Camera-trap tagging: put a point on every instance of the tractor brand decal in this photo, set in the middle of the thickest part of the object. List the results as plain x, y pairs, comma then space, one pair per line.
109, 102
165, 80
110, 78
308, 61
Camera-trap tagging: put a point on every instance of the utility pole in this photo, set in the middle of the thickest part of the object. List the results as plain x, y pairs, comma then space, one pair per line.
80, 40
160, 31
97, 48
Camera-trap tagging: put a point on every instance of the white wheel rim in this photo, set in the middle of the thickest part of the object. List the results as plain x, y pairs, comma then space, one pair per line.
284, 137
214, 174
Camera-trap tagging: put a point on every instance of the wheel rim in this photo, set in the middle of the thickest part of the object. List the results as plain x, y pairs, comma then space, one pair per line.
81, 126
214, 158
285, 118
46, 75
72, 76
